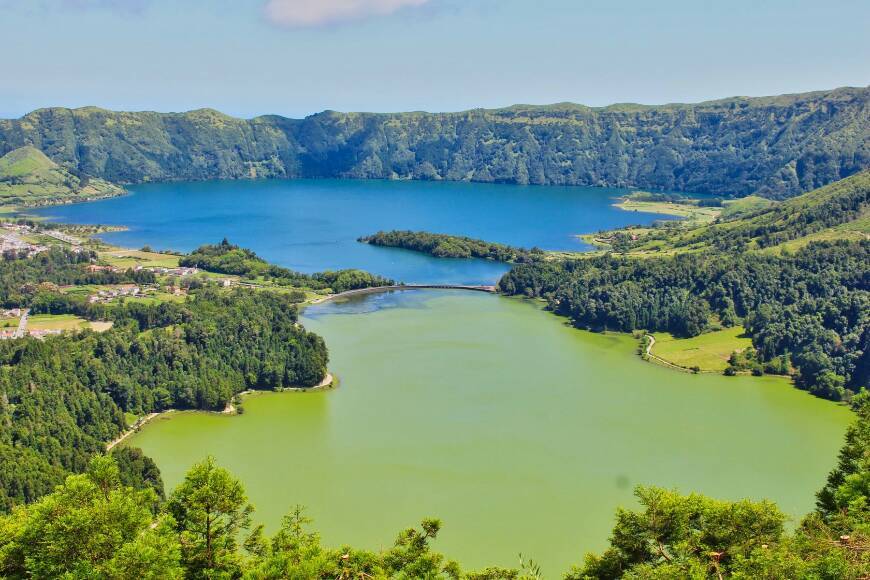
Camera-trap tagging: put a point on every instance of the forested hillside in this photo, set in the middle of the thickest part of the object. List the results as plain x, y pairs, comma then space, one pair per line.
447, 246
774, 146
63, 398
226, 258
840, 210
805, 306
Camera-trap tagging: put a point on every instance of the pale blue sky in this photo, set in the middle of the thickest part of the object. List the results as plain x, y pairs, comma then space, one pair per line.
296, 57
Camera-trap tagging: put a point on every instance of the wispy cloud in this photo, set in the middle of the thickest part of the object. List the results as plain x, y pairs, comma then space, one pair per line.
307, 13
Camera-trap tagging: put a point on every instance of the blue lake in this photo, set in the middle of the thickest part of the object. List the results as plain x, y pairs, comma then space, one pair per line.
313, 225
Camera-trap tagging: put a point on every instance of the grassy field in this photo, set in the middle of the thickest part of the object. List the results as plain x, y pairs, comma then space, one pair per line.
158, 297
56, 322
29, 177
688, 211
100, 326
122, 258
709, 352
745, 205
64, 322
130, 418
9, 322
855, 231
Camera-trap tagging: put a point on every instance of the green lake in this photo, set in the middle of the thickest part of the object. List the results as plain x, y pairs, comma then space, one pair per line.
519, 432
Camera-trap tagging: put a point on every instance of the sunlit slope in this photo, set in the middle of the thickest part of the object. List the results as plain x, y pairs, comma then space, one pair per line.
28, 177
836, 211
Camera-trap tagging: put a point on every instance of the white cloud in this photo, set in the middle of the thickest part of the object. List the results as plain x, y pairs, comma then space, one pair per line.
304, 13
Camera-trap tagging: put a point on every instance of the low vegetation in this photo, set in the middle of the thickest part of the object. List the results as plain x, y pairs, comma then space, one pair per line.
708, 352
840, 210
690, 209
29, 178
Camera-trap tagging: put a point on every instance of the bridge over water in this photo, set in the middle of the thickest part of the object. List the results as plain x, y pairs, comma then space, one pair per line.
374, 289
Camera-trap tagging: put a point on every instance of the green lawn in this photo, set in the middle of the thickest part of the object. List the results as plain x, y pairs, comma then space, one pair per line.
64, 322
9, 322
856, 230
55, 322
128, 258
130, 418
709, 352
744, 205
690, 212
158, 297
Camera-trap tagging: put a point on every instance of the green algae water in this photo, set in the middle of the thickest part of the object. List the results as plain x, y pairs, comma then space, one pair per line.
520, 433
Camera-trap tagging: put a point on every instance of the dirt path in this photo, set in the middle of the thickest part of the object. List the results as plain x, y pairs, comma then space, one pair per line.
21, 331
660, 360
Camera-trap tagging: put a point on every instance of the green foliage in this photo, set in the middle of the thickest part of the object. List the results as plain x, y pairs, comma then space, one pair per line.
28, 177
94, 527
726, 147
23, 280
90, 527
225, 258
137, 470
810, 309
62, 399
844, 501
770, 225
210, 509
446, 246
682, 535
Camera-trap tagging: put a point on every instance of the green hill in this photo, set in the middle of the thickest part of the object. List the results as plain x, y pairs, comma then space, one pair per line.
837, 211
29, 178
772, 146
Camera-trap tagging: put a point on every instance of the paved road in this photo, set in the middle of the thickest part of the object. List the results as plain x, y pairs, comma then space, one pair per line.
21, 331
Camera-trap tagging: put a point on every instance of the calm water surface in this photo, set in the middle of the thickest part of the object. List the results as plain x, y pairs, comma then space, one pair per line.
521, 433
313, 225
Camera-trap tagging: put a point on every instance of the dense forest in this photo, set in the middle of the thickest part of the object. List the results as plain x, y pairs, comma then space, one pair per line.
774, 146
810, 309
446, 246
63, 398
100, 525
225, 258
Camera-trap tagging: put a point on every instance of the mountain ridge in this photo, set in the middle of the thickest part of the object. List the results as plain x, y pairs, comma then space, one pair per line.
776, 146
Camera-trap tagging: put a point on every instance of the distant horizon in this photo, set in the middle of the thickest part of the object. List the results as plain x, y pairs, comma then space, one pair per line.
295, 58
437, 112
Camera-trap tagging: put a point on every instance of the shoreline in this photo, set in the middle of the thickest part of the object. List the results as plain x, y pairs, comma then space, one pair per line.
329, 382
684, 212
